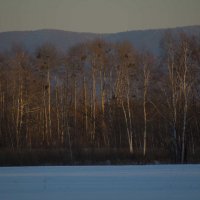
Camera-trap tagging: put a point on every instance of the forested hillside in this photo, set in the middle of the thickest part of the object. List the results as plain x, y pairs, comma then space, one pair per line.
141, 39
99, 102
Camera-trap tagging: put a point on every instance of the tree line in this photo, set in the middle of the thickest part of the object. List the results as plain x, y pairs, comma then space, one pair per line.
103, 97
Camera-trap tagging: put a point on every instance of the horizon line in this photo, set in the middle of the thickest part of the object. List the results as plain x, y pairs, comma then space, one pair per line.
100, 33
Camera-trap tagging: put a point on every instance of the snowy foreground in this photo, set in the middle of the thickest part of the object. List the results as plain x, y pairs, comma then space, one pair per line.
156, 182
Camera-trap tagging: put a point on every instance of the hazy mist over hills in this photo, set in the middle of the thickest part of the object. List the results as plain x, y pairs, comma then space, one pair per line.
141, 39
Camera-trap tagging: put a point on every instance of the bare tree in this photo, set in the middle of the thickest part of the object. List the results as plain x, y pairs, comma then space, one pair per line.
146, 62
46, 60
126, 56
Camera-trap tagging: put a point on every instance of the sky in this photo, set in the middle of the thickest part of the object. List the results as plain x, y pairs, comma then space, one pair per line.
97, 16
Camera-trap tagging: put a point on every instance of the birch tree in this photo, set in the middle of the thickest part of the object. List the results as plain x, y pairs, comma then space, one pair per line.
123, 87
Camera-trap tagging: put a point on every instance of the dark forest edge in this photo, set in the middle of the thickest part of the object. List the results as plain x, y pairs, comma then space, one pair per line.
101, 103
61, 157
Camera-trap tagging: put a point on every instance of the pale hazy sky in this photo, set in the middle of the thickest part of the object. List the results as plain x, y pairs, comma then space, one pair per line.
97, 15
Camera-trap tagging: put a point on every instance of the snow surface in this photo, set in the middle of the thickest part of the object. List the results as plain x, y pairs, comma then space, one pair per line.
156, 182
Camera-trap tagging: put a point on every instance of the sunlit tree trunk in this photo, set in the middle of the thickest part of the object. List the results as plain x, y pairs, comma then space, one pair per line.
49, 103
186, 88
146, 73
93, 103
175, 95
75, 105
85, 104
58, 113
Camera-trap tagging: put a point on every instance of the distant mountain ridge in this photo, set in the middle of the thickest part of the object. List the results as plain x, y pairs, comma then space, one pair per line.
141, 39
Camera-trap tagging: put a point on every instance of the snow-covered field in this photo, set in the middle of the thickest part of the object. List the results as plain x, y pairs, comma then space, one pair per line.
156, 182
